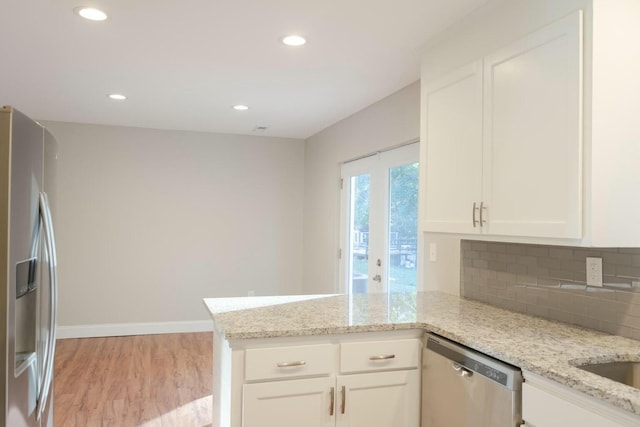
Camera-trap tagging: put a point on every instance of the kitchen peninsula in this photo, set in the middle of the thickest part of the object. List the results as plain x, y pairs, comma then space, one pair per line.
252, 335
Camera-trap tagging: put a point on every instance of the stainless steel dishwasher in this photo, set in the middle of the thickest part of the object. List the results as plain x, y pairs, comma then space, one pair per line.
464, 388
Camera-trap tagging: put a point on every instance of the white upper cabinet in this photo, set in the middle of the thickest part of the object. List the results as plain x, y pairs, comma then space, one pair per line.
532, 177
452, 110
612, 161
537, 139
503, 139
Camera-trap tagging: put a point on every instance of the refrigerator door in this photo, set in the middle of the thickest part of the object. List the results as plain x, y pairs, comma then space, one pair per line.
24, 235
28, 336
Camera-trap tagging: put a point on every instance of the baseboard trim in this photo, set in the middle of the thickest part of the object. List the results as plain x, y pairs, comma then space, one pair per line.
123, 329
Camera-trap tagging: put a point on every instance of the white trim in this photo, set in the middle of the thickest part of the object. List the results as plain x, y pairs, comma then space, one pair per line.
122, 329
383, 150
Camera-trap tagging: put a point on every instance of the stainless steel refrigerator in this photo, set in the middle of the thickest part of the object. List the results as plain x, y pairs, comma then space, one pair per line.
28, 155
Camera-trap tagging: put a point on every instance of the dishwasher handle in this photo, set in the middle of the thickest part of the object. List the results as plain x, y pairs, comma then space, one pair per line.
464, 372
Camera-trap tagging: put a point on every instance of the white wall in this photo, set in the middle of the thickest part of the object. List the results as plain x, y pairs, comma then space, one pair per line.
150, 222
389, 122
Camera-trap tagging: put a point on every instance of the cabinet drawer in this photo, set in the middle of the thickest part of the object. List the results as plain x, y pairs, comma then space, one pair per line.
290, 362
379, 355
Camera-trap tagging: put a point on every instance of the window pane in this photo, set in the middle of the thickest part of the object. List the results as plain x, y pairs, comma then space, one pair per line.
403, 228
359, 234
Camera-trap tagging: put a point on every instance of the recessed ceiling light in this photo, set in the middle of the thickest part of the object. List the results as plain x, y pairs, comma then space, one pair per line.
240, 107
293, 40
117, 96
90, 13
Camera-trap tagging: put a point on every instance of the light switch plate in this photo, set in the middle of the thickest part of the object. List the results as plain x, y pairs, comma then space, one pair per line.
594, 272
432, 252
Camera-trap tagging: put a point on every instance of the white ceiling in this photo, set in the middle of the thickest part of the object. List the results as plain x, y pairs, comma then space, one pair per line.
185, 63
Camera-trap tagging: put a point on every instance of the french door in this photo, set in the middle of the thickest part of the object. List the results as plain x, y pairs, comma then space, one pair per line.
379, 222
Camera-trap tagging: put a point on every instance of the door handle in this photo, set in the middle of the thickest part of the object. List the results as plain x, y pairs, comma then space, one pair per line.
473, 214
332, 398
50, 245
343, 400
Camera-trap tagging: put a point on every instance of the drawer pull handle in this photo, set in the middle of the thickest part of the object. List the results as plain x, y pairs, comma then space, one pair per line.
290, 364
383, 357
343, 405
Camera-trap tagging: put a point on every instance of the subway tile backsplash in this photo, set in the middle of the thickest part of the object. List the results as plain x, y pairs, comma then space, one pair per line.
550, 282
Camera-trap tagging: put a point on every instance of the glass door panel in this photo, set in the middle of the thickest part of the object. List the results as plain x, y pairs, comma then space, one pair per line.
359, 234
402, 243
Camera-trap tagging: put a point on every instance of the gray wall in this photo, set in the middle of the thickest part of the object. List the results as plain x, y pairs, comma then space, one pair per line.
150, 222
550, 282
387, 123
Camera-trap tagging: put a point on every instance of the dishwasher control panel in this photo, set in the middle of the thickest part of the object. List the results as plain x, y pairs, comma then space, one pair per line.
481, 364
487, 371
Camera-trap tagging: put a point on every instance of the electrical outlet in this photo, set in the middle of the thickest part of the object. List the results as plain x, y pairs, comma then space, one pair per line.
594, 272
251, 293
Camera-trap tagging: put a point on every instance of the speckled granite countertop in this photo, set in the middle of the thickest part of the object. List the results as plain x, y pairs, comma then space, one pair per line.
546, 348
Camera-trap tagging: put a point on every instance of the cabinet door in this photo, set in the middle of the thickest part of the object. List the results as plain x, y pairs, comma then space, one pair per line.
541, 408
291, 403
382, 399
532, 176
452, 141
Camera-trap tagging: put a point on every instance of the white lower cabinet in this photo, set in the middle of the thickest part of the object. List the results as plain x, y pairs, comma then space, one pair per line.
384, 399
370, 384
291, 403
549, 404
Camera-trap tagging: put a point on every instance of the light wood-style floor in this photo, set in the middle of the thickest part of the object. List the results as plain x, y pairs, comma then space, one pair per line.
146, 380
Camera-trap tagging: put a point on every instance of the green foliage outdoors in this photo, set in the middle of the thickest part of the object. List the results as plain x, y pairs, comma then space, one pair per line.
403, 201
403, 205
